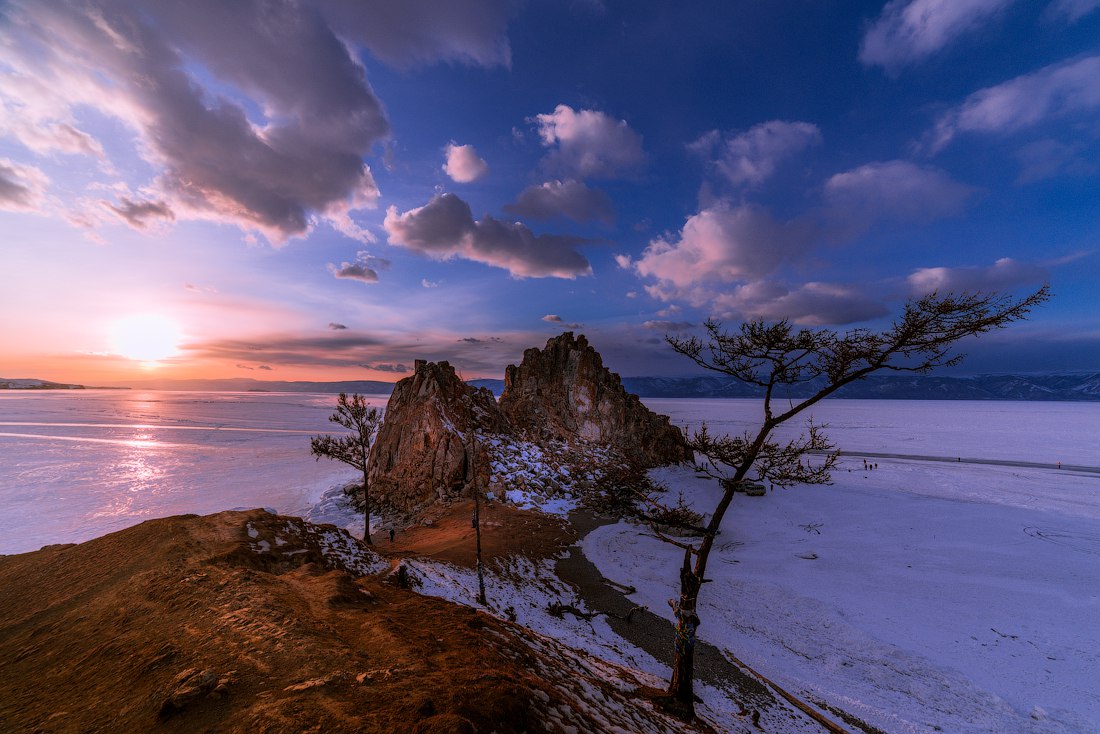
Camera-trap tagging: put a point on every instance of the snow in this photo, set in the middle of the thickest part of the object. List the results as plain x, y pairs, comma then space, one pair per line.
914, 596
522, 590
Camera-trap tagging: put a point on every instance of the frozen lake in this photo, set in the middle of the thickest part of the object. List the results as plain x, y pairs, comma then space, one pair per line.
922, 595
79, 464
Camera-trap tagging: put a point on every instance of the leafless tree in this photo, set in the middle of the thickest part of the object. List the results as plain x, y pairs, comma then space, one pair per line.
781, 359
353, 413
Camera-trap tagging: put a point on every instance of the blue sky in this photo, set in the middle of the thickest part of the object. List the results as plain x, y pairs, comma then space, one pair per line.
332, 189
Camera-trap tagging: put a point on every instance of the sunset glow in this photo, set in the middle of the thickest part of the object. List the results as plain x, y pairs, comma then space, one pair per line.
147, 338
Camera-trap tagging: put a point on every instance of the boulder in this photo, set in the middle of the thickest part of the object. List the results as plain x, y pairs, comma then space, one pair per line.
564, 392
421, 454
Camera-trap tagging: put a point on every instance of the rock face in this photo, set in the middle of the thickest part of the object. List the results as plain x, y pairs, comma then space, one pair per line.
564, 391
421, 455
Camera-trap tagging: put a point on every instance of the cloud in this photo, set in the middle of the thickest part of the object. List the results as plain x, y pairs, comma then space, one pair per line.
22, 188
720, 244
658, 325
410, 32
1070, 11
463, 163
1003, 274
138, 213
894, 190
200, 288
588, 143
388, 367
336, 327
1057, 91
751, 157
553, 318
335, 350
445, 228
364, 269
288, 146
425, 283
1043, 159
264, 367
809, 304
909, 31
570, 199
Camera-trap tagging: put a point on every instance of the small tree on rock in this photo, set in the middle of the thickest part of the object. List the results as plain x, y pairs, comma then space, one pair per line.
779, 359
353, 413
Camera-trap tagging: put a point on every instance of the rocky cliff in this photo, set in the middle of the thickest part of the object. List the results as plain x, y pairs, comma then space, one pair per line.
430, 447
564, 392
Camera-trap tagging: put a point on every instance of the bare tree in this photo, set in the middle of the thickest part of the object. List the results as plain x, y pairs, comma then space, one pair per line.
353, 413
780, 359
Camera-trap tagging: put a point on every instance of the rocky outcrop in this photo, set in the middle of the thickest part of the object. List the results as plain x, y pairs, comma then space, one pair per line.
564, 392
422, 454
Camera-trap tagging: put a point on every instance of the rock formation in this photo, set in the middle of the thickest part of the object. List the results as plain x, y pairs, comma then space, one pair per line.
442, 438
564, 391
422, 454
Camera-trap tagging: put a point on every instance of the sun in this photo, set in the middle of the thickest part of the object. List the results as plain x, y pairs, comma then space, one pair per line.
146, 338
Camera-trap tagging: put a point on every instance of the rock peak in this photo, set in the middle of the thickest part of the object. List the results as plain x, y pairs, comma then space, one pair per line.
565, 392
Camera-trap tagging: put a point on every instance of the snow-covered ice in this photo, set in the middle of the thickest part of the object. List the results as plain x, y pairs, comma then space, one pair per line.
915, 596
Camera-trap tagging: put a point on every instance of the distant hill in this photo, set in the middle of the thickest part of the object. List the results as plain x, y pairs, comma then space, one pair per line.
32, 384
893, 387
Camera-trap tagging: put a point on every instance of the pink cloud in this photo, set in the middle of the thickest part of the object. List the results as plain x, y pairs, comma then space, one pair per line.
463, 164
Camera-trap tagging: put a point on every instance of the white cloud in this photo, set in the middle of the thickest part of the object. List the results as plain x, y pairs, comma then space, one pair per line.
1056, 91
588, 143
909, 31
445, 228
1005, 273
22, 188
425, 283
463, 163
569, 199
751, 157
408, 32
552, 318
895, 190
1070, 11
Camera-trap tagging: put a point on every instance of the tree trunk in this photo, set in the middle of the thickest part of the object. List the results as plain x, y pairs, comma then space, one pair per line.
366, 510
681, 688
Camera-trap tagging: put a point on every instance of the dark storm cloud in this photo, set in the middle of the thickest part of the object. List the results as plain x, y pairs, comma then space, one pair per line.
445, 228
570, 199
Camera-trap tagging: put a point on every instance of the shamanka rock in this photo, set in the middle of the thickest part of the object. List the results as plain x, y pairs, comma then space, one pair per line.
422, 454
564, 391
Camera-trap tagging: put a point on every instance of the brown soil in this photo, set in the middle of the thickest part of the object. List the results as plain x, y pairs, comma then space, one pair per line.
505, 531
179, 625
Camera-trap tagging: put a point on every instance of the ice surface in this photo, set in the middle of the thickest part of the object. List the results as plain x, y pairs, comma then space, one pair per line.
914, 595
79, 464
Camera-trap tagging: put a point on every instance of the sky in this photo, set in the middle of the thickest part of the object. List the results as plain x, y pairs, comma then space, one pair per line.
330, 190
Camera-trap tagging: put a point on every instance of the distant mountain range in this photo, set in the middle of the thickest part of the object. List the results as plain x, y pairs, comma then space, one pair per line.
1053, 386
892, 387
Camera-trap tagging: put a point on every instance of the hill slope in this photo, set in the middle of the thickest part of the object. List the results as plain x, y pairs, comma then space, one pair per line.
247, 621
